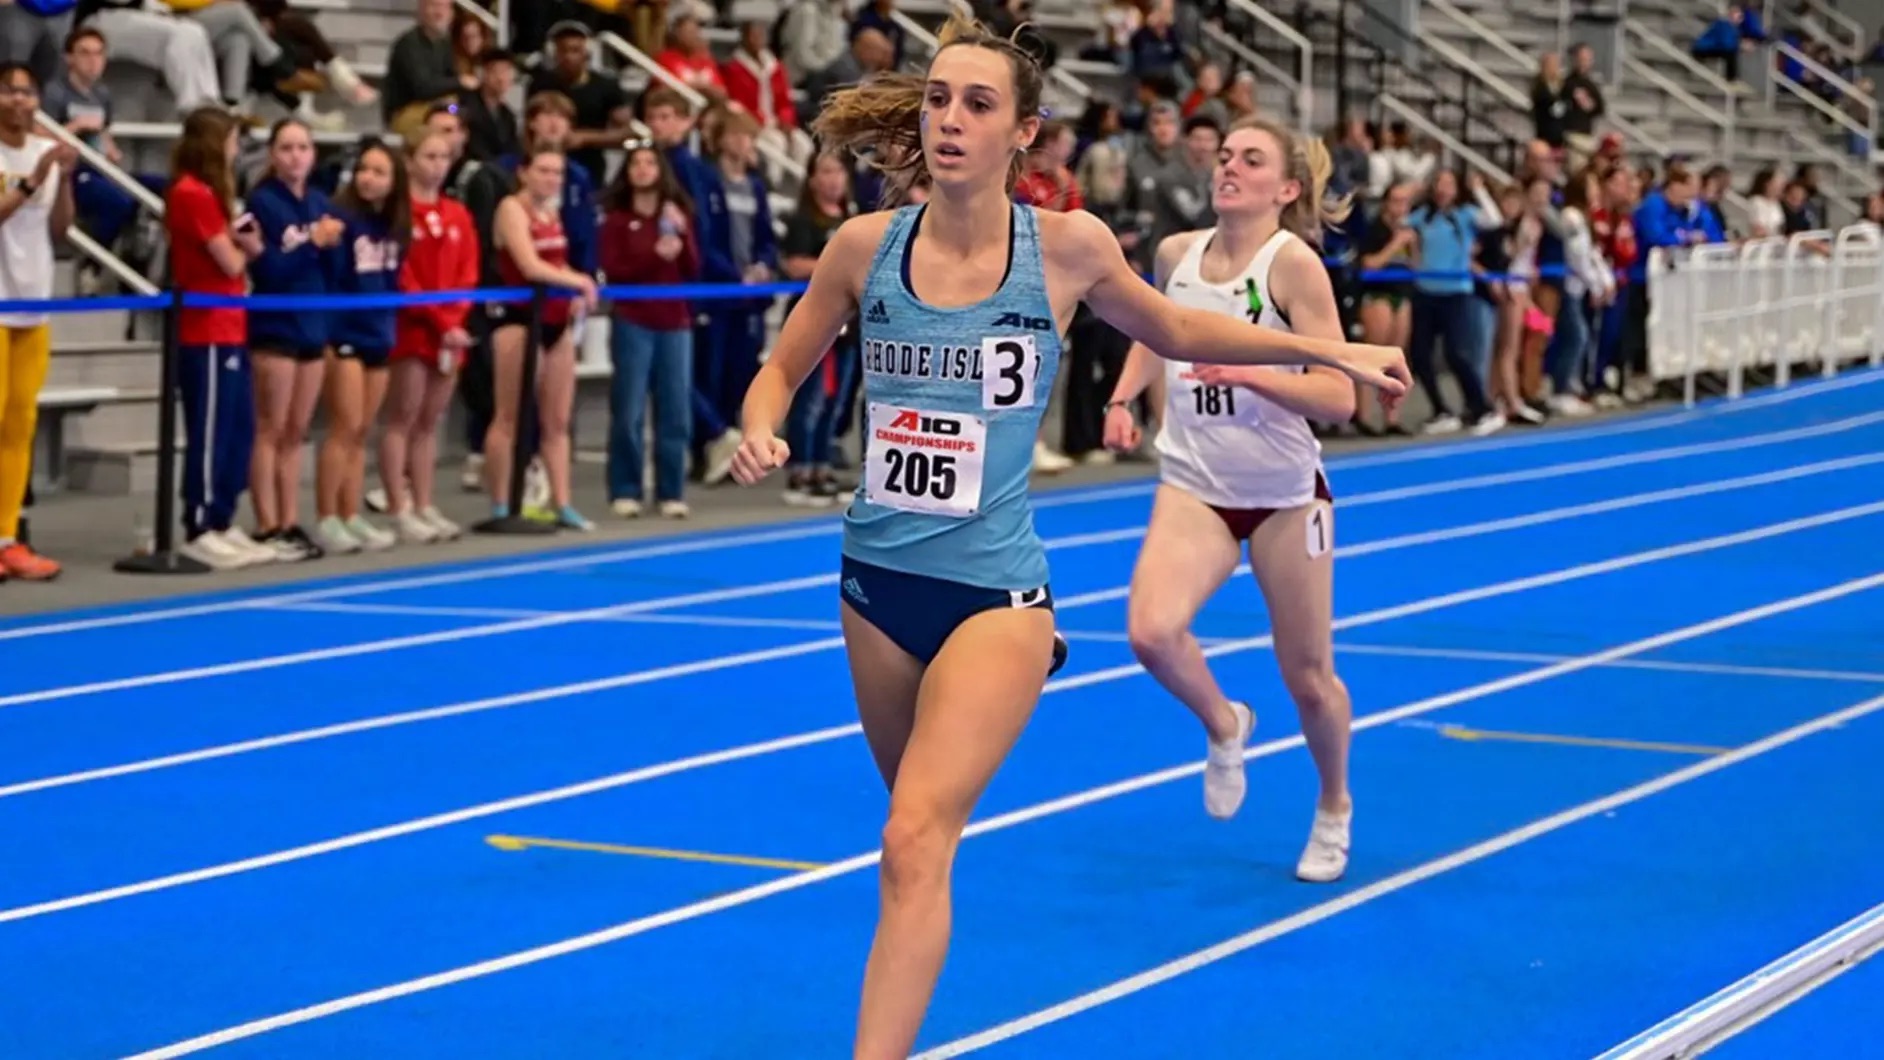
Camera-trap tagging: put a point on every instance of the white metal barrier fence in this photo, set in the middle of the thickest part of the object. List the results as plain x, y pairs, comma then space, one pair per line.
1815, 298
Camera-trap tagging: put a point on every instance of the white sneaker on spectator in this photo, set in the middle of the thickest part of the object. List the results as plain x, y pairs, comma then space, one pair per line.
332, 535
447, 530
1225, 774
1490, 423
1570, 405
471, 477
1444, 423
209, 549
376, 500
1609, 400
370, 537
536, 486
719, 456
413, 529
674, 509
802, 495
1099, 458
625, 508
1325, 859
1048, 460
319, 120
239, 540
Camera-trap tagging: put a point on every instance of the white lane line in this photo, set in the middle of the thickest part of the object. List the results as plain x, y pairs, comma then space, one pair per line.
826, 527
445, 636
396, 610
1082, 680
1397, 882
1037, 811
599, 614
1645, 456
1632, 425
1725, 669
1099, 596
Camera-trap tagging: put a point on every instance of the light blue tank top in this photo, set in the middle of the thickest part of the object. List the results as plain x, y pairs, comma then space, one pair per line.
953, 400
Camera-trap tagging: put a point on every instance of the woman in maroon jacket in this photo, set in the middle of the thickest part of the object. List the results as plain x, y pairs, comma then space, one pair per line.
648, 238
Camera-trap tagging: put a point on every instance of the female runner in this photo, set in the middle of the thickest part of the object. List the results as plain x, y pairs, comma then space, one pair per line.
1239, 463
947, 612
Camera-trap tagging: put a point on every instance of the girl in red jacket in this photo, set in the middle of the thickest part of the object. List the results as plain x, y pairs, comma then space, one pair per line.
648, 238
430, 343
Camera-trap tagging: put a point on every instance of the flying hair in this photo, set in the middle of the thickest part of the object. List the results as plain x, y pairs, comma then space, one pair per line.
1308, 163
880, 119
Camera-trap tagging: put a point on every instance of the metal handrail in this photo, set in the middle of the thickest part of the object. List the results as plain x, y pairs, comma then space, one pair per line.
488, 17
1445, 50
113, 264
1348, 35
1305, 84
1266, 67
1687, 62
1867, 129
1852, 47
1667, 86
100, 163
1483, 32
640, 58
1425, 125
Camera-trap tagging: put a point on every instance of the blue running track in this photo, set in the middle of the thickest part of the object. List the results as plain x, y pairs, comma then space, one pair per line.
1619, 701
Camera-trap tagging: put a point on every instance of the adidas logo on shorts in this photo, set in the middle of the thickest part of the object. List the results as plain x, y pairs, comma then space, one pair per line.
854, 589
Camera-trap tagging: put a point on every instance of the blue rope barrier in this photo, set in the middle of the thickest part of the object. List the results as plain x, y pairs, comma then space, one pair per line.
103, 304
689, 292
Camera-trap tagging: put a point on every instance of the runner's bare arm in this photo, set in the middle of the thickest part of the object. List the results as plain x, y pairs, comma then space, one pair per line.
1081, 247
1141, 364
1302, 292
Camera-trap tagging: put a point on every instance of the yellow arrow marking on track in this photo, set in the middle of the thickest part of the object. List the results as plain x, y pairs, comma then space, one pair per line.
515, 843
1460, 732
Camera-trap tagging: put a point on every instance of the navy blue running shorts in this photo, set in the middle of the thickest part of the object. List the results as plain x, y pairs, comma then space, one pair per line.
919, 613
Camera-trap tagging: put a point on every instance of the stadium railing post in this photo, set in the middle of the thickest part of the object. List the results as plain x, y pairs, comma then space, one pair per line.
516, 522
159, 555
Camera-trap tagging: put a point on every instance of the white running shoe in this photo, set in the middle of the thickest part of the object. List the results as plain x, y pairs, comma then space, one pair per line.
331, 534
370, 537
536, 485
1325, 859
471, 477
413, 529
447, 530
237, 538
719, 456
209, 549
1225, 775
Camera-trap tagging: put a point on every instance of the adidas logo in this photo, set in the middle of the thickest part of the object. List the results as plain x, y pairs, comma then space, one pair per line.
877, 314
852, 587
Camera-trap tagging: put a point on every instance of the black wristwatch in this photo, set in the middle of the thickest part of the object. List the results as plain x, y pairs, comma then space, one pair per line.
1110, 405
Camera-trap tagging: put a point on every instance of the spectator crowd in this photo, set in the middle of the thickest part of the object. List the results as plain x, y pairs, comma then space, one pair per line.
1532, 295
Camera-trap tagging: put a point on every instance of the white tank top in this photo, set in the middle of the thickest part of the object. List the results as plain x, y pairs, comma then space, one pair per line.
1226, 446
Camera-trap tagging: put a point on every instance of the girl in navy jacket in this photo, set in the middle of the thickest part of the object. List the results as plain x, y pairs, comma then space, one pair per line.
377, 208
298, 230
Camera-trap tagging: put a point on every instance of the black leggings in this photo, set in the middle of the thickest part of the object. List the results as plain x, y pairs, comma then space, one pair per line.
1447, 317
